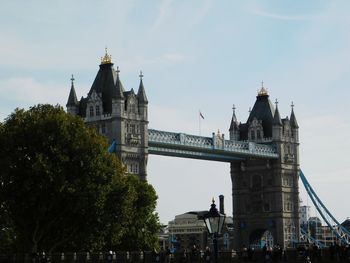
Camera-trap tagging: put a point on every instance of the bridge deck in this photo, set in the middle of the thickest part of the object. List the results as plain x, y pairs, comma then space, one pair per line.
206, 148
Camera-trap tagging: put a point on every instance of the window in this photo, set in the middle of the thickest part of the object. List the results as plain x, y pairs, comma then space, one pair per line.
252, 135
258, 134
132, 128
97, 110
135, 168
91, 111
103, 128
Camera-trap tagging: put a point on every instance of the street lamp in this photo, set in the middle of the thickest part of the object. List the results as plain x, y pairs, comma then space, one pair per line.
214, 221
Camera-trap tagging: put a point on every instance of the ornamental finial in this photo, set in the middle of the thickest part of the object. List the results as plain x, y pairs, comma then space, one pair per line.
107, 59
141, 75
292, 105
263, 90
72, 79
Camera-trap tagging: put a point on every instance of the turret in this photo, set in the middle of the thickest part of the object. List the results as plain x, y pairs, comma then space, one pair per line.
277, 125
234, 127
294, 125
72, 103
142, 99
118, 98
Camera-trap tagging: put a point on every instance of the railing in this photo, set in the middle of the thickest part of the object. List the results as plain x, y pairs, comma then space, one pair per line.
170, 142
178, 257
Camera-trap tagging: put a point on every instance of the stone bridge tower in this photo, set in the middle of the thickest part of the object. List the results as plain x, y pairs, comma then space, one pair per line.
265, 193
118, 114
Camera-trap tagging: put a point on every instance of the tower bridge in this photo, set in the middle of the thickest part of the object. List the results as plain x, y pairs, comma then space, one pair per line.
263, 152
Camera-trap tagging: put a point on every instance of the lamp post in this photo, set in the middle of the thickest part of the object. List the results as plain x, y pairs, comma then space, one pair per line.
214, 221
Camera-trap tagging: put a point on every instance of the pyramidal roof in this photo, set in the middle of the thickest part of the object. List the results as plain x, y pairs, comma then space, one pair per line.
263, 110
104, 84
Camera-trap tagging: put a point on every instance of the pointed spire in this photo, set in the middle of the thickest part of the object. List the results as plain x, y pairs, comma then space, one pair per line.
234, 122
141, 94
72, 99
293, 120
119, 89
277, 118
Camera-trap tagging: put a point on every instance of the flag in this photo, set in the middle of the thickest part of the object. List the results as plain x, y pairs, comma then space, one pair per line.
201, 115
113, 147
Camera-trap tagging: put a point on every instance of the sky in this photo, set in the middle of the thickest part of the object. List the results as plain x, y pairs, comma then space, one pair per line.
195, 55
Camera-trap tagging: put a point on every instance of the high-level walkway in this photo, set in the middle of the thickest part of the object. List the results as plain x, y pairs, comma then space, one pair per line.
215, 148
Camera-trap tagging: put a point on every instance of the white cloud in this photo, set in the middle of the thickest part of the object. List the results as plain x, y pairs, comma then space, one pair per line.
29, 90
263, 13
201, 13
163, 13
25, 92
259, 11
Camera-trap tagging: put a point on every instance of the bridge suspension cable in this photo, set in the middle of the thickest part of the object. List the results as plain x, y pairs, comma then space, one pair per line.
340, 232
304, 236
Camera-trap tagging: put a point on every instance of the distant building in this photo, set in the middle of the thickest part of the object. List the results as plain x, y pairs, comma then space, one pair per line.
163, 237
304, 214
186, 231
346, 224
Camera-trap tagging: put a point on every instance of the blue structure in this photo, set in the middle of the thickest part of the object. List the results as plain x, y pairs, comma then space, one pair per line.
339, 231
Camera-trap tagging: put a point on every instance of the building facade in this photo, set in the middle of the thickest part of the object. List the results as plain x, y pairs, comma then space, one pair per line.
304, 214
122, 116
187, 231
265, 192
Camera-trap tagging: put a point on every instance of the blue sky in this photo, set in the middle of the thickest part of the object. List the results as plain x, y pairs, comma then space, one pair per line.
195, 55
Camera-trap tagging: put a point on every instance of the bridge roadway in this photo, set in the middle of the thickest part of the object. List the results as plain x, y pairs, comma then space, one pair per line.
215, 148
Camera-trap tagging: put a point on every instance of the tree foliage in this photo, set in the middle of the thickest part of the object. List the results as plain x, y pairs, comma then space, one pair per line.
61, 189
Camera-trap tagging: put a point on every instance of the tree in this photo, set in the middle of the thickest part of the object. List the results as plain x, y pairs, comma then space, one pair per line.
57, 181
143, 223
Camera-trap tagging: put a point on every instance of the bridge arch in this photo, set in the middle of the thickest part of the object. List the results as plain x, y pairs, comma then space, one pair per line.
261, 237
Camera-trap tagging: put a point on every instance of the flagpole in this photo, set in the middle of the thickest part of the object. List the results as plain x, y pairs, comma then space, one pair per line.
199, 121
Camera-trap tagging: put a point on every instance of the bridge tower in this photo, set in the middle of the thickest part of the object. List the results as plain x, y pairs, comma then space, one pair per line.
265, 193
118, 114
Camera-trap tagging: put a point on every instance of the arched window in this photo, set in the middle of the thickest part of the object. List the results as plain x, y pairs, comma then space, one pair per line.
258, 134
91, 111
98, 110
252, 134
